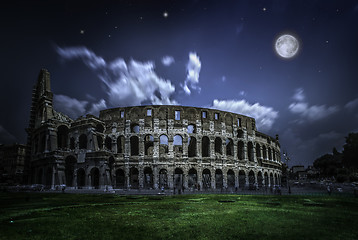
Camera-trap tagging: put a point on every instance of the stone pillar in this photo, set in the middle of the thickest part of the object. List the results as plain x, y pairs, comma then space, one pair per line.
225, 179
236, 179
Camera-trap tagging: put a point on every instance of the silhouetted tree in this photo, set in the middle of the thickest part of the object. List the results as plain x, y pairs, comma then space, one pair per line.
329, 163
350, 151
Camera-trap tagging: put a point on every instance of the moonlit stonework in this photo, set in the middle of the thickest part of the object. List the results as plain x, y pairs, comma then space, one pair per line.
286, 46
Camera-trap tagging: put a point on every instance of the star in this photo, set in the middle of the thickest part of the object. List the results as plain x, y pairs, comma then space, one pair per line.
165, 14
82, 31
264, 9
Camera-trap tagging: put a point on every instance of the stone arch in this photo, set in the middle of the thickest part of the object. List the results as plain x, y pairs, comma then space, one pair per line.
206, 179
264, 152
148, 178
120, 178
240, 150
163, 143
271, 180
178, 144
242, 179
218, 145
266, 179
148, 145
250, 151
269, 154
229, 147
178, 178
192, 178
120, 144
191, 146
134, 142
219, 179
252, 183
83, 141
134, 178
205, 147
95, 177
275, 179
240, 133
258, 151
99, 128
62, 136
135, 128
259, 179
191, 128
70, 162
230, 178
108, 143
163, 178
81, 178
100, 142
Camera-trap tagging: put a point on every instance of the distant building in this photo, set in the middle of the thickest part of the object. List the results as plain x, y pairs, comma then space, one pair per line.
299, 172
12, 159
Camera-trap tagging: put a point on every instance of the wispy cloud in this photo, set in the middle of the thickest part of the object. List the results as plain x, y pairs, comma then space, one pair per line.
69, 106
265, 116
352, 104
307, 112
193, 68
167, 60
127, 84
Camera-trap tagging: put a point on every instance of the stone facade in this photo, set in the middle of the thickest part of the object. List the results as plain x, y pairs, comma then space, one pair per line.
148, 147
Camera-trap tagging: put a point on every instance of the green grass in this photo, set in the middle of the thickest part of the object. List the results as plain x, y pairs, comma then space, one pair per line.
75, 216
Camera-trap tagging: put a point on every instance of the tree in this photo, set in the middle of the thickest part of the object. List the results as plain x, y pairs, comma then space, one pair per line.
329, 163
350, 151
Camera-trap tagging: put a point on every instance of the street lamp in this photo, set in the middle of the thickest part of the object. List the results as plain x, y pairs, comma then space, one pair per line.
287, 158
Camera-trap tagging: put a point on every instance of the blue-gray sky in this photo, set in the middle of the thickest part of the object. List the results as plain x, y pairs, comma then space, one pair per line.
217, 54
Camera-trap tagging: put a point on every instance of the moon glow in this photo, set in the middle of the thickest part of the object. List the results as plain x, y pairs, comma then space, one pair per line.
286, 46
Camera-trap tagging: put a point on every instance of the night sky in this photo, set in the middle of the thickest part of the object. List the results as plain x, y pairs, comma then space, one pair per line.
216, 54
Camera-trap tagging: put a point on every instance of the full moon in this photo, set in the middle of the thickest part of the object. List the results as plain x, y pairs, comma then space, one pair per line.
286, 46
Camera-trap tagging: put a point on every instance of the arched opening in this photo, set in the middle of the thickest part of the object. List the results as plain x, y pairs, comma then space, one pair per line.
81, 178
120, 178
95, 177
230, 178
100, 142
108, 143
148, 145
271, 180
266, 178
250, 151
218, 145
240, 150
148, 178
205, 147
163, 142
191, 128
206, 179
258, 151
264, 153
240, 133
218, 179
72, 143
120, 144
178, 178
269, 154
275, 179
134, 128
133, 178
192, 178
252, 180
134, 146
83, 142
70, 162
229, 147
163, 178
62, 136
259, 180
191, 147
99, 128
242, 179
178, 144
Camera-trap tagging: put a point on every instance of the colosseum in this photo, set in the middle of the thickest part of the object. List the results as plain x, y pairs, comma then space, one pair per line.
147, 147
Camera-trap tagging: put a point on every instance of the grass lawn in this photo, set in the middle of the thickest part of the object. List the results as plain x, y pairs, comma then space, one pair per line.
107, 216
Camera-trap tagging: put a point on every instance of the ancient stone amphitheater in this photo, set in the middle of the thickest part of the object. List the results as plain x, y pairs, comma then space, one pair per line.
148, 147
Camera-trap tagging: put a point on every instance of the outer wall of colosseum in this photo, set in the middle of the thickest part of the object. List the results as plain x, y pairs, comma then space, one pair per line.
149, 147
